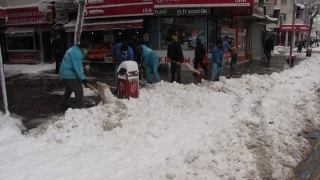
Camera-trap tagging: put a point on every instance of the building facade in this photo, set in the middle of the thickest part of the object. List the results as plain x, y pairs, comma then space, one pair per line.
107, 22
292, 23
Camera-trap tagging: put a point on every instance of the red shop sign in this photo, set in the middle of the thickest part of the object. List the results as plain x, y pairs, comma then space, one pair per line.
28, 15
118, 11
90, 3
201, 3
2, 13
300, 28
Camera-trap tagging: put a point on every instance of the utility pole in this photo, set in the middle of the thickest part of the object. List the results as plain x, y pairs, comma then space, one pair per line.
293, 32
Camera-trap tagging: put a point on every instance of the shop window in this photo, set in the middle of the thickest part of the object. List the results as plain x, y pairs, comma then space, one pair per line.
182, 29
283, 1
283, 17
20, 43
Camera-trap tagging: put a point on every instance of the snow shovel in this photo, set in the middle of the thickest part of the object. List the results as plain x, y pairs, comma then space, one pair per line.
100, 90
142, 82
188, 66
217, 72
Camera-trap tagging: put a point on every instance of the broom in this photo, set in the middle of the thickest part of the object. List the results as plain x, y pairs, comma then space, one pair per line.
188, 66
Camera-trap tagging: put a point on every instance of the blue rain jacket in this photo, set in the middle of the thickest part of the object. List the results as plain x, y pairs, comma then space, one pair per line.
119, 56
217, 55
71, 65
226, 46
149, 56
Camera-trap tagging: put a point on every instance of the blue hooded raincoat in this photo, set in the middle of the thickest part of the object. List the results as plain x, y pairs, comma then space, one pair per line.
151, 61
120, 57
71, 65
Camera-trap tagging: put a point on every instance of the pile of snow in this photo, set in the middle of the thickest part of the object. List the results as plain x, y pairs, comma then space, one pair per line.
245, 128
14, 69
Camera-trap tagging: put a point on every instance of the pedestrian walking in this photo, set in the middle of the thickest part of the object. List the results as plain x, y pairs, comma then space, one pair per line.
174, 53
217, 55
300, 44
120, 52
234, 55
56, 48
199, 53
72, 74
226, 47
268, 47
150, 62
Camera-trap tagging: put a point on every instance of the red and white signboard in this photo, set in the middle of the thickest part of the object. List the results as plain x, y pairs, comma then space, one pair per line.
300, 28
2, 13
28, 15
90, 3
106, 25
201, 3
119, 11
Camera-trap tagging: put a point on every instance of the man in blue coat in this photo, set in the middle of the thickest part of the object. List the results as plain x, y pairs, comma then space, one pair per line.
150, 61
121, 52
217, 55
71, 71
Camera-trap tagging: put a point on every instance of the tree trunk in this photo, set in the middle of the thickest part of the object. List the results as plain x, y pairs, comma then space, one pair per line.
78, 30
3, 85
309, 33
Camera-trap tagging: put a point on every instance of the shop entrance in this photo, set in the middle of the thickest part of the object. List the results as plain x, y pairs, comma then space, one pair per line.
47, 50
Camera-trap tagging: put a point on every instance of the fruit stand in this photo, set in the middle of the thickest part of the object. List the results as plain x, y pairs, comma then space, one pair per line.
100, 55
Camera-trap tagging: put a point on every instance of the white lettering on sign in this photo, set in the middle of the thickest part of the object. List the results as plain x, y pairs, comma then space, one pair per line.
25, 20
95, 1
240, 1
164, 11
96, 11
147, 10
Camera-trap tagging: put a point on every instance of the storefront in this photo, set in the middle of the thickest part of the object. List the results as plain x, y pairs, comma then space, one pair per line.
287, 33
25, 29
107, 22
208, 21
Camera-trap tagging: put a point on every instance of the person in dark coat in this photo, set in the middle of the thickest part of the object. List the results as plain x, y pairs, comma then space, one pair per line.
268, 47
56, 48
199, 53
174, 53
300, 44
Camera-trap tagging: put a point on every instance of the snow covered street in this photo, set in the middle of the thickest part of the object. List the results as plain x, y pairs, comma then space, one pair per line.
238, 128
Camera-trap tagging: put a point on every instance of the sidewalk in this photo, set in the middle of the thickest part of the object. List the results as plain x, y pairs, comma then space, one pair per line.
33, 98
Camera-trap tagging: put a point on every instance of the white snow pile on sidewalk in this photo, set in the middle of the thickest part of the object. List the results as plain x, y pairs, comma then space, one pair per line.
232, 129
14, 69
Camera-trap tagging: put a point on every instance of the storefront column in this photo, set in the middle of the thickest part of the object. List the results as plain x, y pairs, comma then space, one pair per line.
41, 48
286, 41
299, 36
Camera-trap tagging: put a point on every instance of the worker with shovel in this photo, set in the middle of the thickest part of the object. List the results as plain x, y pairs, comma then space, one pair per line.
71, 71
150, 62
175, 56
217, 66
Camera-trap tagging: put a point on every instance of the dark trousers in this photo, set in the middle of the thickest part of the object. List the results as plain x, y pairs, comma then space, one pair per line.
233, 62
72, 85
268, 54
195, 64
175, 69
58, 59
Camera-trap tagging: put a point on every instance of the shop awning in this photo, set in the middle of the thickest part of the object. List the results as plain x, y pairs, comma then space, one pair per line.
103, 24
267, 20
21, 30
